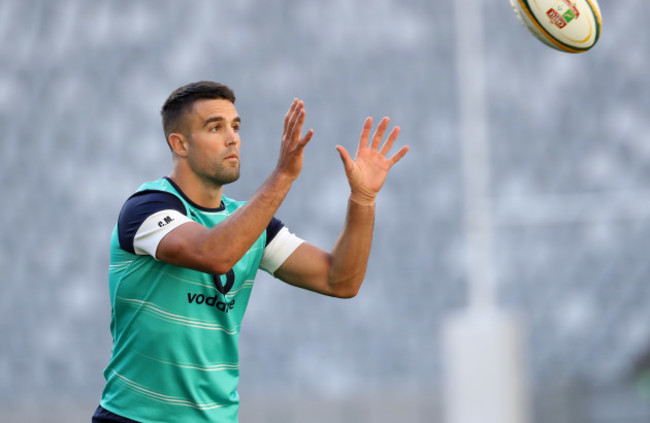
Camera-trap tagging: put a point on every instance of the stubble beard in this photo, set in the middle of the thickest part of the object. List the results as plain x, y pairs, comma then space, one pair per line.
221, 175
217, 172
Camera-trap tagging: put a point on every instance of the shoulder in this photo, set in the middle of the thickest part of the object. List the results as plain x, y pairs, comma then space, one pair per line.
139, 207
147, 202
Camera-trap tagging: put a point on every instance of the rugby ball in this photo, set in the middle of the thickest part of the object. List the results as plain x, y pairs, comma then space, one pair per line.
572, 26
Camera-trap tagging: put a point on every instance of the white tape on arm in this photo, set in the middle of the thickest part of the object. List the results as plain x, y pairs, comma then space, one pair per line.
279, 249
154, 228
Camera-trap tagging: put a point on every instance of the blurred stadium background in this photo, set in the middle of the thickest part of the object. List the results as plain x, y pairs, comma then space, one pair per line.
81, 84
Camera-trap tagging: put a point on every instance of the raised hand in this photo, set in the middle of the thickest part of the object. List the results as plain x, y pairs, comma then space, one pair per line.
367, 172
291, 151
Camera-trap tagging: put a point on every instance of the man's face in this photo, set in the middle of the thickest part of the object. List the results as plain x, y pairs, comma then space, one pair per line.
213, 141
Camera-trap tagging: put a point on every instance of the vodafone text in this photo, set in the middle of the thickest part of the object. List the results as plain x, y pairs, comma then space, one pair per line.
210, 302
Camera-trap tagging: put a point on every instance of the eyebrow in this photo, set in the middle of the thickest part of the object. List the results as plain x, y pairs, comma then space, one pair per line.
219, 119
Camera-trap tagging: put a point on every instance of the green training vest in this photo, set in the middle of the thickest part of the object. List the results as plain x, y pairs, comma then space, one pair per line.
175, 354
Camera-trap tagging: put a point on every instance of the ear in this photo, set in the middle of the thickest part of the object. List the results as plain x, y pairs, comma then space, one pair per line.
178, 143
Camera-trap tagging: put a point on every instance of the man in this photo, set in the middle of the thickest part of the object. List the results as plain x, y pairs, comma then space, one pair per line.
184, 257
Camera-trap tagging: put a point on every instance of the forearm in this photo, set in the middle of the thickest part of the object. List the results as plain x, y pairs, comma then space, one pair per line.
216, 250
246, 225
349, 256
235, 235
340, 272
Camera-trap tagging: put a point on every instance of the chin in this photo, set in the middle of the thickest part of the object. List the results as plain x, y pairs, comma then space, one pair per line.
226, 179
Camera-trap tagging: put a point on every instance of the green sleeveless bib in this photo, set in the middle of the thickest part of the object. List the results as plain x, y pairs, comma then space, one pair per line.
175, 331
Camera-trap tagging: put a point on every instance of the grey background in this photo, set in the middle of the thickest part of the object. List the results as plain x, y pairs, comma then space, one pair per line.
81, 84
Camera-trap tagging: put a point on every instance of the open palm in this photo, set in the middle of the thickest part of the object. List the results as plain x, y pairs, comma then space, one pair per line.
367, 172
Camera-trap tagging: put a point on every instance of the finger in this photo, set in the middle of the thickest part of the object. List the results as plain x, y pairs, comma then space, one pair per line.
365, 134
289, 134
390, 141
287, 117
398, 156
305, 140
294, 115
379, 133
295, 123
348, 163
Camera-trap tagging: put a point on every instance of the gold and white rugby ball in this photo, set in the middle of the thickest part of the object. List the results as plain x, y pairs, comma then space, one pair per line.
572, 26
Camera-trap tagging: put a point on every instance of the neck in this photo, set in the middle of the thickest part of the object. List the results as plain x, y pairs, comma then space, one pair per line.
201, 192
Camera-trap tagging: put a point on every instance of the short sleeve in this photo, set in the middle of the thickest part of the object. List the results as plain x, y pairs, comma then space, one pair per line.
155, 207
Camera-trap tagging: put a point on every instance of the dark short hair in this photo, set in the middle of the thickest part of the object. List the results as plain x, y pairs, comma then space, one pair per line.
183, 98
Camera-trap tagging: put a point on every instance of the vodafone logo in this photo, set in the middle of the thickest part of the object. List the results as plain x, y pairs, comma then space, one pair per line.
196, 298
210, 302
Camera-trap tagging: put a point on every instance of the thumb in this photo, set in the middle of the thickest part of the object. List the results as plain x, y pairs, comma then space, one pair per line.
348, 163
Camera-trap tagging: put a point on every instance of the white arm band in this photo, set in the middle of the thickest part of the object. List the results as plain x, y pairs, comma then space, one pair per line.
154, 228
278, 250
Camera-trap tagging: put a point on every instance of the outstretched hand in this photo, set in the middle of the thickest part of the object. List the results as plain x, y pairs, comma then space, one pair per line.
293, 143
367, 172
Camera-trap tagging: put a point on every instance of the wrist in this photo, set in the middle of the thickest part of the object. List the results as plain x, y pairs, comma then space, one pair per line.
279, 177
362, 199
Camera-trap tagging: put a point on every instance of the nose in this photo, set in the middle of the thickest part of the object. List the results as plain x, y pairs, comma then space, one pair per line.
233, 138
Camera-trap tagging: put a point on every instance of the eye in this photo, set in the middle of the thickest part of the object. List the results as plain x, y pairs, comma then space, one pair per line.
215, 128
235, 127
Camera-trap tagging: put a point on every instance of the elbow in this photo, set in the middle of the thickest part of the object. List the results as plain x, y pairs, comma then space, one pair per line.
219, 263
346, 292
195, 253
219, 266
219, 269
209, 263
346, 287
